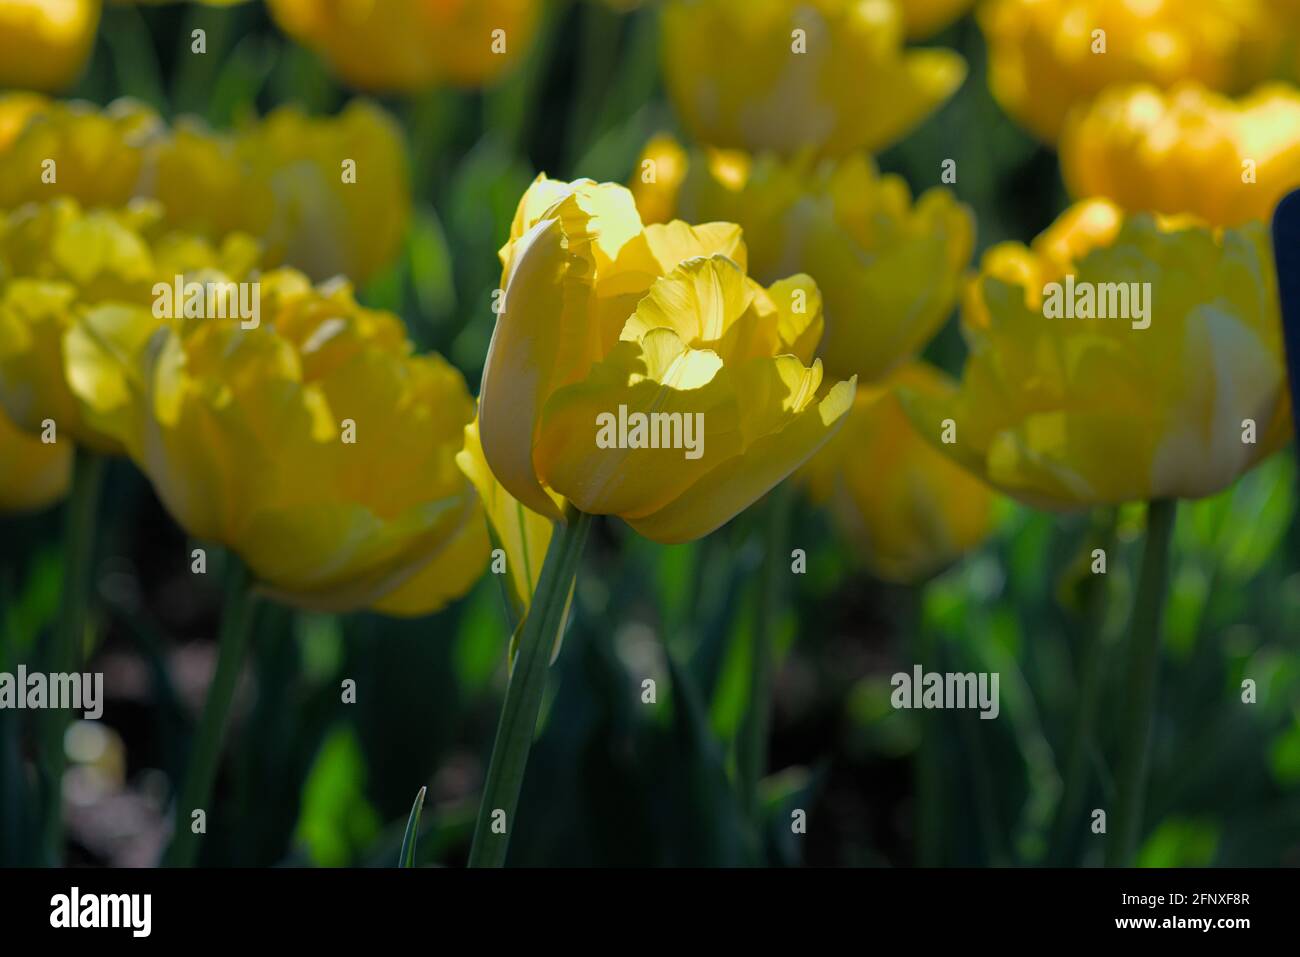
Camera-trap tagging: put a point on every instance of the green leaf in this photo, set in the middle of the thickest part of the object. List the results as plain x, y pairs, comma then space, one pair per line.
407, 858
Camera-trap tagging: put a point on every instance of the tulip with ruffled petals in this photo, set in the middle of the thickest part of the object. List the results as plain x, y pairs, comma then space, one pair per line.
831, 76
889, 269
315, 446
57, 261
1186, 151
397, 45
1046, 56
606, 317
328, 195
1069, 412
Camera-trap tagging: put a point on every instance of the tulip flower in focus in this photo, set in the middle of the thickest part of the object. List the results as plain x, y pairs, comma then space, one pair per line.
57, 261
889, 270
1070, 412
402, 45
326, 195
1046, 56
315, 446
604, 317
829, 76
1187, 151
909, 510
44, 44
33, 473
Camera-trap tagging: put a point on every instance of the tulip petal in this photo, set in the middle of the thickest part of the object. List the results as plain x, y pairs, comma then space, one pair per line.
523, 356
659, 376
739, 481
524, 534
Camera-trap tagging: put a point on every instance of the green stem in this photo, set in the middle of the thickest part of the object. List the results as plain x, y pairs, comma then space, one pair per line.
929, 758
523, 699
1141, 666
232, 646
751, 755
1075, 784
70, 635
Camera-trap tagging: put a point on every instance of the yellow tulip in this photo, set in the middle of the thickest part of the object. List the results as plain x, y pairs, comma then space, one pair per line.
658, 179
57, 261
1071, 412
521, 533
397, 45
1046, 56
889, 270
909, 510
315, 446
604, 320
33, 473
1187, 151
97, 156
15, 110
44, 44
925, 18
831, 76
328, 195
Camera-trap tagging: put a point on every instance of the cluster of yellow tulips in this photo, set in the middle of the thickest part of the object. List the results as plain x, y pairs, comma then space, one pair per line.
766, 275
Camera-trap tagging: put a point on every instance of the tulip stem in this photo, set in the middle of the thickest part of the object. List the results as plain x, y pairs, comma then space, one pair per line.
1082, 735
1141, 666
523, 701
232, 646
751, 757
70, 635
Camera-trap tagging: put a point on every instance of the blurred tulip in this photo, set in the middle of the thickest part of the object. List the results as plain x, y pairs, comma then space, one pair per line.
1187, 151
1046, 56
288, 180
909, 510
925, 18
1070, 412
521, 533
44, 44
97, 156
57, 261
602, 315
400, 45
657, 181
889, 270
327, 195
830, 76
15, 110
315, 446
33, 473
